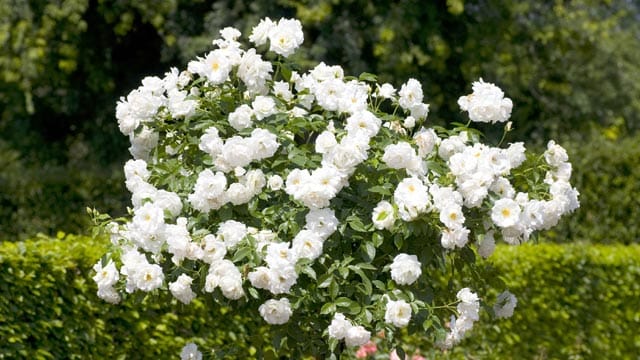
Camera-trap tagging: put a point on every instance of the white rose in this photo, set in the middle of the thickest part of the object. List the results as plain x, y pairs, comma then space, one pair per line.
322, 222
325, 142
386, 91
339, 326
168, 201
426, 139
307, 244
190, 352
275, 182
231, 232
181, 289
505, 213
264, 144
105, 276
383, 216
276, 312
405, 269
261, 277
240, 118
263, 106
398, 313
400, 156
149, 219
286, 37
410, 94
260, 33
148, 277
487, 245
357, 336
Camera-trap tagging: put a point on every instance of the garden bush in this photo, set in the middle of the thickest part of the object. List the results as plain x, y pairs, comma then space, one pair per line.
49, 310
574, 301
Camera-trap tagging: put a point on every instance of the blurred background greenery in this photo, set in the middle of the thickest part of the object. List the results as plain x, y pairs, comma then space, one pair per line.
571, 67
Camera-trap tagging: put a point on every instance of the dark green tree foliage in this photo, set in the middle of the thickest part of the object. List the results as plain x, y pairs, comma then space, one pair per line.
63, 65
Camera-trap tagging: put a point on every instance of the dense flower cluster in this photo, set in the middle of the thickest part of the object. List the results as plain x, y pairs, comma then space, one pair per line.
252, 182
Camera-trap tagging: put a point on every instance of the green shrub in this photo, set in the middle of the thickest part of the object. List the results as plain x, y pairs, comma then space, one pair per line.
49, 310
574, 302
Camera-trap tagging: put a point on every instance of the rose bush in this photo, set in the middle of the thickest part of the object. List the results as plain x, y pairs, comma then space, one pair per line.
323, 203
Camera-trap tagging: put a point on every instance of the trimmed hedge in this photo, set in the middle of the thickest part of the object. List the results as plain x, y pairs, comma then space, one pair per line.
49, 310
574, 301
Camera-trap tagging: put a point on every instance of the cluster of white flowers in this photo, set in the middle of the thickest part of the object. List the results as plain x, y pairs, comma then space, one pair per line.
468, 313
140, 273
279, 275
106, 277
486, 104
343, 329
480, 174
143, 104
317, 188
517, 216
213, 144
284, 37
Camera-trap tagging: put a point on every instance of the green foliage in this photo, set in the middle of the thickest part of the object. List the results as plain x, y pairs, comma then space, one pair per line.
574, 302
49, 310
607, 175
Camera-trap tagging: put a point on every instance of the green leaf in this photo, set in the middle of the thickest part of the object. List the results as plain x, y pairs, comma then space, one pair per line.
381, 189
370, 250
356, 223
286, 72
365, 76
325, 280
365, 279
379, 285
242, 253
307, 270
253, 292
366, 266
343, 302
328, 308
377, 239
334, 289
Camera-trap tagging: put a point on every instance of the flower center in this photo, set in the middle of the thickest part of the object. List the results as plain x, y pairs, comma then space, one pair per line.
506, 212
